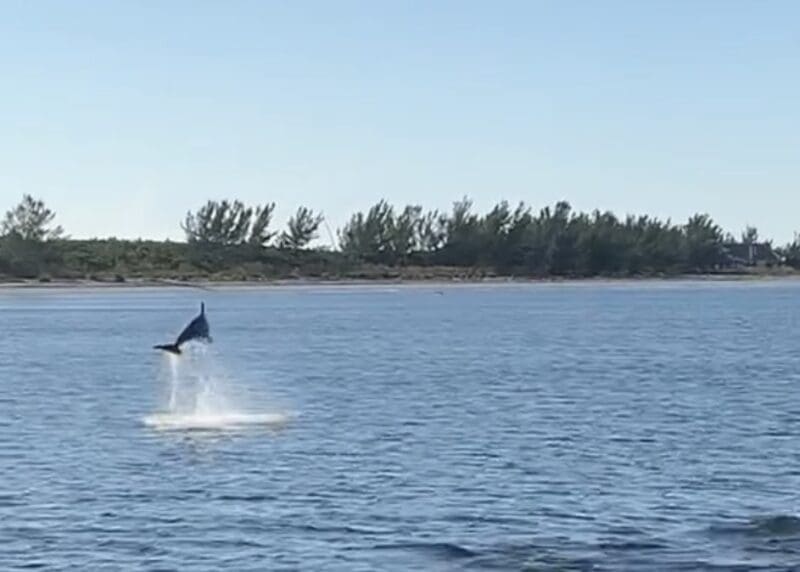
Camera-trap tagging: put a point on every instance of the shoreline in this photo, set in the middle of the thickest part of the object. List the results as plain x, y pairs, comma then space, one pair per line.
68, 284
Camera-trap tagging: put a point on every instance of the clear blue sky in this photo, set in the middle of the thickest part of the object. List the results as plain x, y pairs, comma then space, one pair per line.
123, 115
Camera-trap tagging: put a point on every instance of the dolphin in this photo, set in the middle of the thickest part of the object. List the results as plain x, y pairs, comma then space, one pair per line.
196, 330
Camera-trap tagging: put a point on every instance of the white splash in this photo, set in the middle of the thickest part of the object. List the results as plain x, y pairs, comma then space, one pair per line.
199, 396
212, 421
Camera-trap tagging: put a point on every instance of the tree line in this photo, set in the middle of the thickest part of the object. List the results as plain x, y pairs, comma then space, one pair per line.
550, 242
229, 239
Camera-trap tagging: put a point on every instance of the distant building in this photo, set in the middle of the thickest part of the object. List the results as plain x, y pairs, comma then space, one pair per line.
749, 254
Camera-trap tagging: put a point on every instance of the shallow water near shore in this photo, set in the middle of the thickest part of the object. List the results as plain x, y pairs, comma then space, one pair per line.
580, 426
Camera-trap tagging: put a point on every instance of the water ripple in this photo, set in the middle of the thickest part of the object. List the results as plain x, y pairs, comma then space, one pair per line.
552, 427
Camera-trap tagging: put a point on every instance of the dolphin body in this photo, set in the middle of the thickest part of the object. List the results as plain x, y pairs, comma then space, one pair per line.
196, 330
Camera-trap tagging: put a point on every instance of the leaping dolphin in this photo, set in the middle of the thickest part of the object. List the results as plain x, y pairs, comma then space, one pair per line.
196, 330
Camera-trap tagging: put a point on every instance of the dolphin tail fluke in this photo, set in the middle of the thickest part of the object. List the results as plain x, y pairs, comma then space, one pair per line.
171, 348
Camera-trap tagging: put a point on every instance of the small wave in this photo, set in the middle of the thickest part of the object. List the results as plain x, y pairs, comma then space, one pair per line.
333, 529
779, 525
212, 421
767, 526
444, 550
244, 498
10, 500
631, 545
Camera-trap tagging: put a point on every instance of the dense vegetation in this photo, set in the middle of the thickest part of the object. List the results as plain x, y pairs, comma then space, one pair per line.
230, 240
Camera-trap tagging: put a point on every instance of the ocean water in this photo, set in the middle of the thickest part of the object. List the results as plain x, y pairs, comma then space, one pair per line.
591, 426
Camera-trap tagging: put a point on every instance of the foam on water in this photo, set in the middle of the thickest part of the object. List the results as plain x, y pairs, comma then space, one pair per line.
199, 396
212, 421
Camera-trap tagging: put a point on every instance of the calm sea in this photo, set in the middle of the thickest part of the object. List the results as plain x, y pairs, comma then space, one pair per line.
591, 426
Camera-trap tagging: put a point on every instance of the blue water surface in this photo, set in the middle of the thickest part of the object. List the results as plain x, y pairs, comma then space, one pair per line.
576, 426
